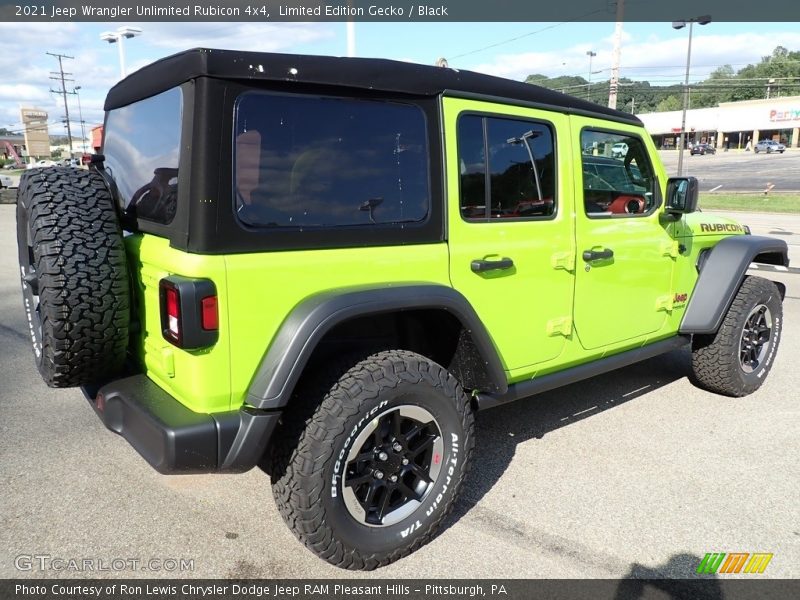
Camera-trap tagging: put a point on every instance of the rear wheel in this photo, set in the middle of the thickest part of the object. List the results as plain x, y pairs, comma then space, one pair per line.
365, 475
737, 359
74, 275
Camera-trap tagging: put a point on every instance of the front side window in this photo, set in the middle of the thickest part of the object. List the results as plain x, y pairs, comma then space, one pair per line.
618, 178
516, 158
142, 148
305, 161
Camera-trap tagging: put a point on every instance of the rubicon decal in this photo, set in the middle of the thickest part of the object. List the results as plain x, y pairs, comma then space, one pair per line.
714, 227
734, 562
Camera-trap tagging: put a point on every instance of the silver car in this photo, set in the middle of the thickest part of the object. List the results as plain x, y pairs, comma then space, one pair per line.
769, 146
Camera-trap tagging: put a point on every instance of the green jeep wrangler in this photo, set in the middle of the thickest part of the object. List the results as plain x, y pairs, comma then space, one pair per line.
325, 266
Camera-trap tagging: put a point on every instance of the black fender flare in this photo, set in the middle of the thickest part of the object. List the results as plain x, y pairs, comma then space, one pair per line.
307, 324
722, 275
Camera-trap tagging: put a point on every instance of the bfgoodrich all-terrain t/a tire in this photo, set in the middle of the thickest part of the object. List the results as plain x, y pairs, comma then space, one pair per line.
736, 360
74, 275
370, 458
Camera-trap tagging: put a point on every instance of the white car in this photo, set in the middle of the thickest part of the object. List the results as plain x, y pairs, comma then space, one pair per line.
619, 150
41, 163
6, 181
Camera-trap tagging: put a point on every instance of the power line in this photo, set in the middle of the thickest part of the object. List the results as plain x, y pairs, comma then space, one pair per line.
524, 35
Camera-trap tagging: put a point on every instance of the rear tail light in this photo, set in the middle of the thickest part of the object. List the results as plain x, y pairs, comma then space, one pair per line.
173, 313
189, 313
209, 317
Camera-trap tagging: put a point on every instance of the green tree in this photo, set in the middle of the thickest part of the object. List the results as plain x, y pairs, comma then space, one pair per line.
669, 103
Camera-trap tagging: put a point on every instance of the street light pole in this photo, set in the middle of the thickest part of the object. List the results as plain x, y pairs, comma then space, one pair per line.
591, 55
704, 20
118, 38
80, 116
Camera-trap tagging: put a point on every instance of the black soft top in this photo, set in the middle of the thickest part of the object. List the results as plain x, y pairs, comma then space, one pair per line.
363, 73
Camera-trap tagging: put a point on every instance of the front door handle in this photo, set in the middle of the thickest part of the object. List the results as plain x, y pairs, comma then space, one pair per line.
604, 254
479, 265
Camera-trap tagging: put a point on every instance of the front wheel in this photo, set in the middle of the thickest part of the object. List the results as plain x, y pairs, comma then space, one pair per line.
365, 475
737, 359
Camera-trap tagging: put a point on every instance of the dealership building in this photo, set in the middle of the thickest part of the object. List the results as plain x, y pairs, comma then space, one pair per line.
731, 124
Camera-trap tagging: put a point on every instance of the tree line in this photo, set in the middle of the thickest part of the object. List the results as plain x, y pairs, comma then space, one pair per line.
775, 75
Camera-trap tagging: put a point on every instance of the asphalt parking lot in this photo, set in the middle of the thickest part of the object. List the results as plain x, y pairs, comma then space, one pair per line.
635, 473
739, 171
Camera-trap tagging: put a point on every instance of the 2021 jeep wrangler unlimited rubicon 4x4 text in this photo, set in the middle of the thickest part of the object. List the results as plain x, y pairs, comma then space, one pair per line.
325, 266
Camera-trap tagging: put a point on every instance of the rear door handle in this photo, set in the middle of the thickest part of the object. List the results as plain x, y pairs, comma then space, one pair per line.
604, 254
479, 265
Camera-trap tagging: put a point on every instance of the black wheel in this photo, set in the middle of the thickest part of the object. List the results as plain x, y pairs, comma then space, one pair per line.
74, 275
736, 360
364, 475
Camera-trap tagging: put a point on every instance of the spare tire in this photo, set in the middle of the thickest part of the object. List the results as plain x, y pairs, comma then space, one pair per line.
74, 273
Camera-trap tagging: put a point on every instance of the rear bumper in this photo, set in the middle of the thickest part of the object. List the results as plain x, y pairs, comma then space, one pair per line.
174, 439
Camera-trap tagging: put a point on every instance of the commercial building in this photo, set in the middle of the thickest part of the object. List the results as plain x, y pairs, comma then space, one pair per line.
730, 124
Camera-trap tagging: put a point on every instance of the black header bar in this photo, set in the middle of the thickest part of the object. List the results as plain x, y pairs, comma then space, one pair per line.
395, 10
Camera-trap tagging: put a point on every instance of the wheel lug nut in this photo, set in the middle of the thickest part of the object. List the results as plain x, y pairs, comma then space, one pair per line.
405, 461
383, 456
378, 474
397, 447
393, 478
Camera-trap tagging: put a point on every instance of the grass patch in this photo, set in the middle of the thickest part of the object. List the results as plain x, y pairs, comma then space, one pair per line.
775, 203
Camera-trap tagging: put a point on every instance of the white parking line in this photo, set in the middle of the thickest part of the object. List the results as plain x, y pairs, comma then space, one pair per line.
781, 268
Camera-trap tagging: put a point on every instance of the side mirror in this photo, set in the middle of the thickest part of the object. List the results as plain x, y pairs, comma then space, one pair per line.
682, 195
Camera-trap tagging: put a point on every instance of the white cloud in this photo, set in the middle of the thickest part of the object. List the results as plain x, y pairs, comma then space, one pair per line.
26, 70
656, 59
257, 37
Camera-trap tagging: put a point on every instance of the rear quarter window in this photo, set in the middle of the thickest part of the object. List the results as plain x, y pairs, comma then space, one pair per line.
325, 162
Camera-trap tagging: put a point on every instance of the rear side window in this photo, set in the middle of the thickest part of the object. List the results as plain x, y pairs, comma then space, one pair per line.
507, 168
142, 148
306, 161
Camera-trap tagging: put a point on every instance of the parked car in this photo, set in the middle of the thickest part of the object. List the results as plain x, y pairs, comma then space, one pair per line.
769, 146
71, 162
10, 166
619, 150
702, 149
339, 322
41, 164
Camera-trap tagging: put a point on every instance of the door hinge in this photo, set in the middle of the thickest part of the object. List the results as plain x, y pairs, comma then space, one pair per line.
671, 249
563, 260
664, 303
559, 326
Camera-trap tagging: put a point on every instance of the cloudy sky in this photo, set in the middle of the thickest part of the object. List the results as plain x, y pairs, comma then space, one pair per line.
652, 51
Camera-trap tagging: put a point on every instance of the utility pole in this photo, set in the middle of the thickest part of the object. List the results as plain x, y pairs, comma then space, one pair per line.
614, 83
63, 91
